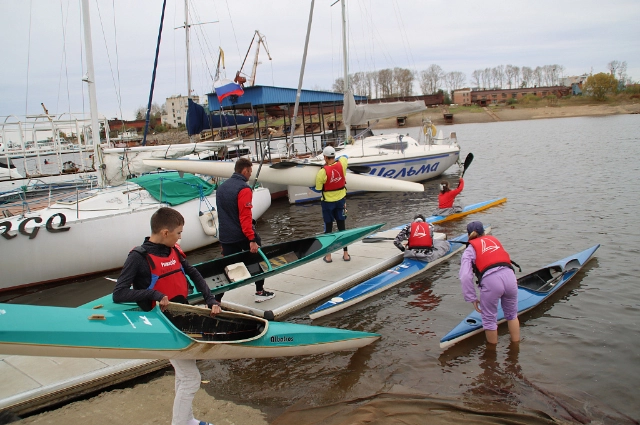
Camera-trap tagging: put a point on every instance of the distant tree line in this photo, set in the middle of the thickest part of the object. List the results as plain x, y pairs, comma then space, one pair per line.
400, 82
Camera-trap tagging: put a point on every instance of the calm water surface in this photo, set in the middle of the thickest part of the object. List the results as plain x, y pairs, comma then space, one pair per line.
570, 183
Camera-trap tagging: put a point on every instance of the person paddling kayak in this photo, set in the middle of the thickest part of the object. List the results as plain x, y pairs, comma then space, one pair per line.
447, 197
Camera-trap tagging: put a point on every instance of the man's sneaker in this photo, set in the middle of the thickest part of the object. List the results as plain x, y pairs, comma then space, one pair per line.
264, 296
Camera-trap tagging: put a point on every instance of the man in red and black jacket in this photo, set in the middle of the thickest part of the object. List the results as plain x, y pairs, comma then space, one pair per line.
234, 201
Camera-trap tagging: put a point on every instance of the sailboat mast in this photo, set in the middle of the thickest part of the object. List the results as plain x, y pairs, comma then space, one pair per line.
90, 80
186, 31
298, 93
346, 64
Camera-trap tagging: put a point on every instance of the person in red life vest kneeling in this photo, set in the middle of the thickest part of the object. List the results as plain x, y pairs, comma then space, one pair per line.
447, 197
486, 259
331, 180
156, 272
420, 242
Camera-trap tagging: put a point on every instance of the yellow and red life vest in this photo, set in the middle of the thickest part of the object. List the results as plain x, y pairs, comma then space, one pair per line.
420, 236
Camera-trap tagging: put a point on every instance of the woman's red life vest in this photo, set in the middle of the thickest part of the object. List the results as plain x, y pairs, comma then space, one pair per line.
167, 274
335, 177
489, 253
420, 236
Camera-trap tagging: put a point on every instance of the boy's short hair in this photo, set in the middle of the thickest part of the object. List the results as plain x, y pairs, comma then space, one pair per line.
241, 164
166, 218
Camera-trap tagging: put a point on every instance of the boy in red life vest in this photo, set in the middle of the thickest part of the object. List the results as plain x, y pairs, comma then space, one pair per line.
331, 181
420, 243
447, 197
486, 259
155, 272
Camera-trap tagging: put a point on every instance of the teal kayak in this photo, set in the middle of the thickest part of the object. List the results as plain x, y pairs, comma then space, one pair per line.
236, 270
182, 332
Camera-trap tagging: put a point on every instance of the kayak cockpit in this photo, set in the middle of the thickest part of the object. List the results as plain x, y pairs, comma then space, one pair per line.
542, 280
196, 323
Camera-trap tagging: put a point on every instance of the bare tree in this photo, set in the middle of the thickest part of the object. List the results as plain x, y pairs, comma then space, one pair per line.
618, 68
476, 76
338, 85
613, 67
538, 76
431, 79
385, 78
516, 76
486, 78
403, 79
527, 76
454, 80
509, 74
497, 74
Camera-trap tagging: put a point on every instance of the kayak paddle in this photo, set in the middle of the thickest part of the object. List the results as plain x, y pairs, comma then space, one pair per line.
358, 169
467, 162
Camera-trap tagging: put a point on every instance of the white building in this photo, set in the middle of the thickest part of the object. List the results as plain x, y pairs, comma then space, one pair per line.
175, 110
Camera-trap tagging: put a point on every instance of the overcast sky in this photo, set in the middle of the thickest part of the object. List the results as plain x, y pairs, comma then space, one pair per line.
42, 44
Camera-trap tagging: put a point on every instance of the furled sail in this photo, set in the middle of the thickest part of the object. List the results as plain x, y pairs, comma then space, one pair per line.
359, 114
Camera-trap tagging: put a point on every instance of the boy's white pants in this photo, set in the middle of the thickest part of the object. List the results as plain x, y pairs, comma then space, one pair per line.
187, 384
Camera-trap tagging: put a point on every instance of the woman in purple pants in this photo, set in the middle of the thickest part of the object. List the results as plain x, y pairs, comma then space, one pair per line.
490, 263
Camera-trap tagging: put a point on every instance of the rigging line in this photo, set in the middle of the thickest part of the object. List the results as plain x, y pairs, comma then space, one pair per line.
233, 29
104, 38
63, 63
403, 34
26, 100
175, 62
115, 37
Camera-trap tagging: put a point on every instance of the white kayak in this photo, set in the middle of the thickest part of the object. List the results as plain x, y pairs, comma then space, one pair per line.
301, 175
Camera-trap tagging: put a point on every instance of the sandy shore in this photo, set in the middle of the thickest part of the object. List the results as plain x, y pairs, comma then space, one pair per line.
505, 113
145, 404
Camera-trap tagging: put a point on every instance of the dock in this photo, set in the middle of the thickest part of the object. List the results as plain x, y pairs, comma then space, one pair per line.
317, 280
33, 383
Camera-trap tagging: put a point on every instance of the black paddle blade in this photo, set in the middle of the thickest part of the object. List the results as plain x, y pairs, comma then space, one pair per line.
467, 162
359, 169
283, 165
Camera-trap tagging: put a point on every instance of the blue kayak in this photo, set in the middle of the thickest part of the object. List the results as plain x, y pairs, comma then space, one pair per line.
533, 289
388, 279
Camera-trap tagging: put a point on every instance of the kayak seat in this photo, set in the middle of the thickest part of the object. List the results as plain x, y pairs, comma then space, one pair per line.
206, 328
542, 280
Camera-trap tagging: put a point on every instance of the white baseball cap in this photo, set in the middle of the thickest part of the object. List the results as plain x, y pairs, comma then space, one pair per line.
329, 152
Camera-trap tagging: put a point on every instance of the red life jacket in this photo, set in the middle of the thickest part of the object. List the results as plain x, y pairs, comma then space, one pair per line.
335, 177
489, 254
420, 236
167, 274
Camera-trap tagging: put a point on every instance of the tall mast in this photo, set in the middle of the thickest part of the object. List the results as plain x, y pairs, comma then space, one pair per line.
298, 93
346, 64
186, 31
91, 85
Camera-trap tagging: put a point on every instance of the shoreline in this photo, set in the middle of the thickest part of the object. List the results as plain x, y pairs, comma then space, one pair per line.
518, 113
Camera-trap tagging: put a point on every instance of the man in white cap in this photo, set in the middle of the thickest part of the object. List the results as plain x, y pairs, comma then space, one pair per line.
331, 181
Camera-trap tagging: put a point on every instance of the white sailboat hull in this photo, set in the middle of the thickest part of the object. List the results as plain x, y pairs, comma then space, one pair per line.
303, 174
102, 230
393, 157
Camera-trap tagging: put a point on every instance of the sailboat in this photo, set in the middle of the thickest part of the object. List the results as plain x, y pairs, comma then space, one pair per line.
394, 156
91, 231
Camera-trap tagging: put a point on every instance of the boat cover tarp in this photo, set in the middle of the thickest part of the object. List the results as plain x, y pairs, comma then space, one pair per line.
198, 119
173, 189
359, 114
